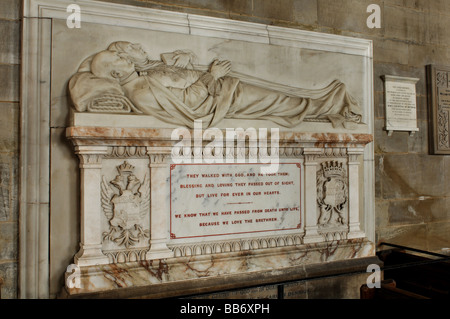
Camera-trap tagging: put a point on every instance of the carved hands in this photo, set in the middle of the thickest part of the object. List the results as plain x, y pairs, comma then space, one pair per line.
219, 69
183, 59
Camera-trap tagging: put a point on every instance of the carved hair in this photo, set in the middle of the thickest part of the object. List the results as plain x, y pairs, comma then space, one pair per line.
140, 65
101, 64
119, 46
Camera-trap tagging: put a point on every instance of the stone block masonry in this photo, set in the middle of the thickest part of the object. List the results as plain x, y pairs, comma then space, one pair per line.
9, 144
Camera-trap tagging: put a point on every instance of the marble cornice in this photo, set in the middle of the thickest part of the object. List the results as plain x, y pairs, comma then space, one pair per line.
126, 136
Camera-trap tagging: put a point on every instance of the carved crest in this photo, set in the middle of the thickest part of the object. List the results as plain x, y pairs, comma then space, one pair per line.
125, 202
332, 193
441, 79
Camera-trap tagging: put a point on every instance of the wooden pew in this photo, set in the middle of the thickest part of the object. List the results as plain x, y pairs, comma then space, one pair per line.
388, 290
426, 277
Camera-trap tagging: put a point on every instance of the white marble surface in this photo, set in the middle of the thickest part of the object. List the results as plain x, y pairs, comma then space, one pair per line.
179, 216
128, 120
233, 199
400, 103
180, 269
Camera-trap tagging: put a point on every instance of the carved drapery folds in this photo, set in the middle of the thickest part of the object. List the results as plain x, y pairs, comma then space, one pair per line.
177, 93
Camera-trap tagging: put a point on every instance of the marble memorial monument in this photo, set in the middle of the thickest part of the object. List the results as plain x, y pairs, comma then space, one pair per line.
197, 164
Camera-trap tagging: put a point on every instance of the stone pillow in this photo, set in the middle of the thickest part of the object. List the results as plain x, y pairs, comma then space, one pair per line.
94, 94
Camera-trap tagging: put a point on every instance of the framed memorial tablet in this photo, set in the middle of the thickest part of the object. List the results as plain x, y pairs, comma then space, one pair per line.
400, 103
439, 108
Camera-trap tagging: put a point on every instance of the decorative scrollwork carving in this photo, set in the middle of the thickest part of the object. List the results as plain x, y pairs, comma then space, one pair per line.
332, 193
129, 255
127, 151
441, 79
126, 208
236, 245
443, 134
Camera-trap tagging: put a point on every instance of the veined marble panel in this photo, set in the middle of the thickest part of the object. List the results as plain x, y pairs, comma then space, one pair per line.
233, 199
216, 265
311, 215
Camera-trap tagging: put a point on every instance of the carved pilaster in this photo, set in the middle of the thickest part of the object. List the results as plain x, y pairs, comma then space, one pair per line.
159, 206
353, 192
90, 252
311, 218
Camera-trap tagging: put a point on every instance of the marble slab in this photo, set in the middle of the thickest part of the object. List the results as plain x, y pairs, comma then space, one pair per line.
232, 199
183, 270
214, 210
400, 101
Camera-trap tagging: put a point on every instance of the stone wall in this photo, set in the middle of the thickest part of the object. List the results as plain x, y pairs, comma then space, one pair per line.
9, 143
412, 187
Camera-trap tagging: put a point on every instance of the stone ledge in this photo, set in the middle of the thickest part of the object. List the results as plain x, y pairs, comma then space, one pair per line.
202, 274
147, 136
199, 286
131, 120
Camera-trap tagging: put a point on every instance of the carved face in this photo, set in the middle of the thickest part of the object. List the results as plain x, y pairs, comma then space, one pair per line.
122, 63
111, 64
135, 52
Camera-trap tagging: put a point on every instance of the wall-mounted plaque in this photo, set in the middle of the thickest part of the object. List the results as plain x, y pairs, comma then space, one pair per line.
223, 199
400, 103
439, 106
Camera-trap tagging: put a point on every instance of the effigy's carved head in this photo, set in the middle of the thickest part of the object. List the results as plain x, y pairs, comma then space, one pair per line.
110, 64
133, 51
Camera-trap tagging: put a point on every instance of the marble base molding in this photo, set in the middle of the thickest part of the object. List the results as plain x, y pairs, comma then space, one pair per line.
160, 275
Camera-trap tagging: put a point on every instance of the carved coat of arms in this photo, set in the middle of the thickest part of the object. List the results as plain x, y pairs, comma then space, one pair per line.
125, 202
332, 193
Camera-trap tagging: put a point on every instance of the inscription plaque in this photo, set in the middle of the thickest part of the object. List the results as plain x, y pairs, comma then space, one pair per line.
439, 108
224, 199
400, 103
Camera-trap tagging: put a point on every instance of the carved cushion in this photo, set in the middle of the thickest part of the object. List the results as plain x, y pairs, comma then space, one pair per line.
91, 93
114, 103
